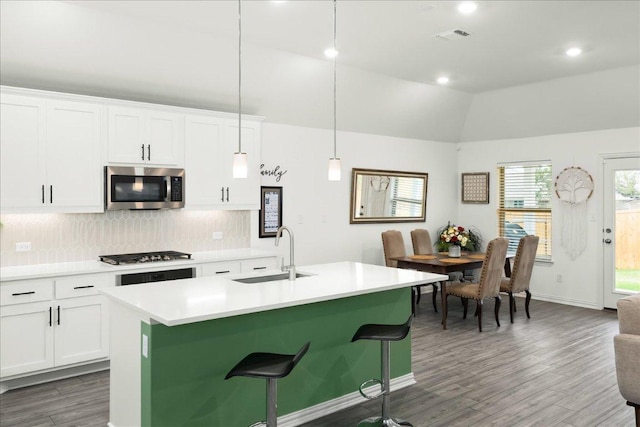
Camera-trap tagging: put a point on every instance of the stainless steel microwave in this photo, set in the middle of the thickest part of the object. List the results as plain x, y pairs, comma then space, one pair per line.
132, 188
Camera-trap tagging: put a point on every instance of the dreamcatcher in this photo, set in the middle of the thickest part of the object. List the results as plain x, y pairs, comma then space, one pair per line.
574, 186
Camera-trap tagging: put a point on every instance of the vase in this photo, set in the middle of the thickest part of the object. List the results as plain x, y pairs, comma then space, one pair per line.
454, 251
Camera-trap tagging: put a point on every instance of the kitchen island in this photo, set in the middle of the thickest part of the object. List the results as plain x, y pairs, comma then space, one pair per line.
172, 343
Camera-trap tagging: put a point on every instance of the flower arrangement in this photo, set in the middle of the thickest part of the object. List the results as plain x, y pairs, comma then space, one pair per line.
458, 236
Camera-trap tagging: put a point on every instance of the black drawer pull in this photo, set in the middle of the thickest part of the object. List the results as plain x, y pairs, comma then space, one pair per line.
50, 316
222, 272
259, 268
24, 293
58, 315
83, 287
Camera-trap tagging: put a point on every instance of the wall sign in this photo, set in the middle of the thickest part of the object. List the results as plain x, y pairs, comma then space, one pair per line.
276, 172
270, 211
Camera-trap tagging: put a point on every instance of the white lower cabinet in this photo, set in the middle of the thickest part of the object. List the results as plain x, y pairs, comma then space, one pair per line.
241, 266
69, 326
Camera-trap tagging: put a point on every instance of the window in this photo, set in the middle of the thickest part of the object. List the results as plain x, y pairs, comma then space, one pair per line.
406, 198
525, 205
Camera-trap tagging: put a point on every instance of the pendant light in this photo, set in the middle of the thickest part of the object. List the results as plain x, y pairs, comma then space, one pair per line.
334, 162
239, 158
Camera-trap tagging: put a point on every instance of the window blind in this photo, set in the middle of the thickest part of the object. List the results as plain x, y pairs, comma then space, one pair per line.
525, 205
406, 200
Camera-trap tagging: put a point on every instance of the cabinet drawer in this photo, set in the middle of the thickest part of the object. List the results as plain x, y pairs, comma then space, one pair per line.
218, 268
81, 285
249, 265
24, 291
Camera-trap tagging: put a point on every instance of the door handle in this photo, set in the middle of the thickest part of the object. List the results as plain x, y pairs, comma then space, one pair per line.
58, 315
607, 241
142, 146
227, 194
222, 192
50, 316
51, 194
148, 152
43, 193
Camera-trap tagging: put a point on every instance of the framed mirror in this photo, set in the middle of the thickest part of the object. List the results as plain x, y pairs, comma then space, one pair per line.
379, 196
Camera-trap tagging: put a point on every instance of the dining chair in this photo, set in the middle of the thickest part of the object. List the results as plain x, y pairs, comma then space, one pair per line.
487, 287
521, 273
422, 245
393, 246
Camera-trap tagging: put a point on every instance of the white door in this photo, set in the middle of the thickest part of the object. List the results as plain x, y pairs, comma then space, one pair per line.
74, 166
621, 228
165, 135
26, 338
243, 193
203, 136
126, 139
81, 330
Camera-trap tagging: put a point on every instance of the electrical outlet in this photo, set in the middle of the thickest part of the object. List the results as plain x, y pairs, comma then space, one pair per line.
23, 246
217, 235
559, 278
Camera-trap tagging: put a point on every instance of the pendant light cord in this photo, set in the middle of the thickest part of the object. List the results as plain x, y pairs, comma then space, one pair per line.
334, 81
239, 77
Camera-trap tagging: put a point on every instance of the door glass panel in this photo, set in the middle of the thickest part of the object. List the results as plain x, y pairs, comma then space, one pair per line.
627, 230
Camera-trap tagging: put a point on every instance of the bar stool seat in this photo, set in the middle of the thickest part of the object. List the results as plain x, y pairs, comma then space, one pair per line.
269, 366
384, 334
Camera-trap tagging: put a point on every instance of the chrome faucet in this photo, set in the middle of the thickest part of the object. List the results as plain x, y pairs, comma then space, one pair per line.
291, 268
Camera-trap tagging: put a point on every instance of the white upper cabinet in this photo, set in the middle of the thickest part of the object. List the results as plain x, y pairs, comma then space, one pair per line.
209, 147
51, 155
145, 136
22, 168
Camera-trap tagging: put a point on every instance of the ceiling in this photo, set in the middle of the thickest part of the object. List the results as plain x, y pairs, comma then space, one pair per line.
509, 78
511, 43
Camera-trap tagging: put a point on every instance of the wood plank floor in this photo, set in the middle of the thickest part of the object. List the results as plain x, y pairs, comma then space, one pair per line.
556, 369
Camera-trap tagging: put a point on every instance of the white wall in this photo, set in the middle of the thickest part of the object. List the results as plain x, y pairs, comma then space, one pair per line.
318, 210
582, 279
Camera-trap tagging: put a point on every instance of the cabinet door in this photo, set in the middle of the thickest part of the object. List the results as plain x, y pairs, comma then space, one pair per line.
26, 338
81, 330
74, 166
203, 136
165, 140
243, 193
22, 143
126, 138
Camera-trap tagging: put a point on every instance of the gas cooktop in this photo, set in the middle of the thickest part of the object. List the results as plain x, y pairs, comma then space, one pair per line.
144, 257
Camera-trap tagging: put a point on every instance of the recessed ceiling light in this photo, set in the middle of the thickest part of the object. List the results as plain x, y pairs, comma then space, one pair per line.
574, 51
467, 7
443, 80
330, 53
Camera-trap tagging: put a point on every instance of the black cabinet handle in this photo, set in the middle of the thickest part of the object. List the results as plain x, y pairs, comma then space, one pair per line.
227, 194
259, 268
142, 146
222, 272
58, 315
23, 293
50, 316
43, 193
83, 287
221, 191
51, 194
148, 152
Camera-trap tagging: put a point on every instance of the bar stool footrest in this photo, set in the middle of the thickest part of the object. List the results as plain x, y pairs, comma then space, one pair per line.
367, 383
258, 424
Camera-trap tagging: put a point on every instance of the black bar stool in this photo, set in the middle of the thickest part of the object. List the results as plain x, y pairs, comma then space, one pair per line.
269, 366
384, 334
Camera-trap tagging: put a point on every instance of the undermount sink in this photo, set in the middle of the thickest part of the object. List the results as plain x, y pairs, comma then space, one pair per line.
270, 278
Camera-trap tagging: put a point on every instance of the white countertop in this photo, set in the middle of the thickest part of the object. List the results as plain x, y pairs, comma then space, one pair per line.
91, 267
193, 300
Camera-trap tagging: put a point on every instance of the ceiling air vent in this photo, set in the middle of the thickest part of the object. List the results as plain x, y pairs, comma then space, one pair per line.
456, 34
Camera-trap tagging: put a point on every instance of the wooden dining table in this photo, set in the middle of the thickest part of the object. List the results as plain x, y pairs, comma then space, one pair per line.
442, 263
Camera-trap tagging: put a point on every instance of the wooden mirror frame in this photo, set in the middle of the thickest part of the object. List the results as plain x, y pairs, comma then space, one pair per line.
384, 179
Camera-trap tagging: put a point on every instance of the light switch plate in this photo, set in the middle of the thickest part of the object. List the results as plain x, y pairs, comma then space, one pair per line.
145, 346
23, 246
217, 235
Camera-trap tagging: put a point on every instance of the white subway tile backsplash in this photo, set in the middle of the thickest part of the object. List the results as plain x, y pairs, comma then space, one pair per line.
80, 237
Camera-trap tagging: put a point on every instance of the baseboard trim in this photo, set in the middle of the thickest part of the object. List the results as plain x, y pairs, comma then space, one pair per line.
334, 405
44, 377
566, 301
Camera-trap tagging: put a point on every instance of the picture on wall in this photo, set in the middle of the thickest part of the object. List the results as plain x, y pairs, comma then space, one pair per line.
270, 211
475, 187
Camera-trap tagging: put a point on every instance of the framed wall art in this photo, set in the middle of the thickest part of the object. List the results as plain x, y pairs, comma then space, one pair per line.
270, 211
475, 187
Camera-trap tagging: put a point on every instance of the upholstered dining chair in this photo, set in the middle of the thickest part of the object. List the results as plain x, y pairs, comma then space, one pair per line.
521, 273
422, 245
393, 246
487, 287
